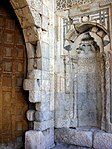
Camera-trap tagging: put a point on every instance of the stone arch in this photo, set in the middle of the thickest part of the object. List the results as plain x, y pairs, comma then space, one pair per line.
83, 27
13, 49
30, 20
92, 27
30, 26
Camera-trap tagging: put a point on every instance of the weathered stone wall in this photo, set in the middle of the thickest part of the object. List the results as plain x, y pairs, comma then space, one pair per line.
71, 108
52, 71
36, 18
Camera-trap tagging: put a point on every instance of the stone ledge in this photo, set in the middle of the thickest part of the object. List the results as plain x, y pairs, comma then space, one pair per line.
102, 140
43, 116
91, 138
41, 126
73, 137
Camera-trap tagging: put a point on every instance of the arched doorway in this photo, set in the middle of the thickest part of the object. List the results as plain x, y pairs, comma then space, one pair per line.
13, 106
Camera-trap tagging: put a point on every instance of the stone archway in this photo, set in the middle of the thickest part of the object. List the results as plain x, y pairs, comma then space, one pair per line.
13, 105
30, 32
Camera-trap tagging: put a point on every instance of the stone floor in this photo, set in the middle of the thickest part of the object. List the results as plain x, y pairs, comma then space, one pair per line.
68, 147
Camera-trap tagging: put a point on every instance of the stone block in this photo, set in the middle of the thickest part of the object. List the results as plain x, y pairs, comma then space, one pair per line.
61, 122
31, 35
45, 75
45, 22
49, 135
52, 106
32, 84
62, 136
30, 115
30, 50
101, 33
46, 85
45, 50
51, 19
18, 4
73, 137
38, 63
35, 96
52, 66
34, 140
87, 116
42, 106
30, 64
25, 20
43, 116
36, 16
45, 11
45, 37
45, 96
36, 4
45, 64
35, 74
94, 29
82, 138
43, 125
102, 140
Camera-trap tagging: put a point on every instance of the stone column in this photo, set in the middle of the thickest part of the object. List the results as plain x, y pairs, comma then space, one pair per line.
108, 88
75, 90
103, 90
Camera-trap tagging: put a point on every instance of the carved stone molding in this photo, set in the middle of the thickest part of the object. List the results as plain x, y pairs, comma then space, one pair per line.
83, 4
63, 4
67, 4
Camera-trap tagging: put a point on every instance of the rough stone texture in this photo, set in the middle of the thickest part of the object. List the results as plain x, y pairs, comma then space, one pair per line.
32, 84
31, 35
45, 22
27, 20
49, 133
35, 96
102, 140
36, 18
36, 5
18, 4
75, 137
44, 42
35, 74
43, 116
43, 125
44, 106
34, 140
30, 115
88, 79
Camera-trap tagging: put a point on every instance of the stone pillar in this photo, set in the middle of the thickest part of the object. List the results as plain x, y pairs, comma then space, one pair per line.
103, 90
108, 93
75, 90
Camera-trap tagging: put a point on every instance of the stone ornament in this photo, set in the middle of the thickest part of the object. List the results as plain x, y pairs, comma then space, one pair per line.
66, 4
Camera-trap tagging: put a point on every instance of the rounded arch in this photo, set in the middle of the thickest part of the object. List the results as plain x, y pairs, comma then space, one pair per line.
83, 27
13, 71
93, 27
29, 25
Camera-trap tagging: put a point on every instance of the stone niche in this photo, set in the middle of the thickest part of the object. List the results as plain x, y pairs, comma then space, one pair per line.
91, 77
88, 83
